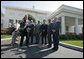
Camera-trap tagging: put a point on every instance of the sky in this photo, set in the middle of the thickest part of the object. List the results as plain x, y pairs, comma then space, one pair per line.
41, 5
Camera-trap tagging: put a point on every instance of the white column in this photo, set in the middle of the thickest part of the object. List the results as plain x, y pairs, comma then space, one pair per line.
76, 25
63, 25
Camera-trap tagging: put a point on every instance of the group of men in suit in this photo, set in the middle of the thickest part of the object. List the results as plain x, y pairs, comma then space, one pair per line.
44, 31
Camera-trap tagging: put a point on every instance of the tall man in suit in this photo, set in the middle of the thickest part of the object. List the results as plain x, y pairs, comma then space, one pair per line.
49, 33
23, 31
31, 31
44, 31
37, 32
55, 31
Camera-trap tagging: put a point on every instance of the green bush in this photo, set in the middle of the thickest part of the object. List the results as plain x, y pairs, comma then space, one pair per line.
30, 17
79, 37
71, 37
62, 37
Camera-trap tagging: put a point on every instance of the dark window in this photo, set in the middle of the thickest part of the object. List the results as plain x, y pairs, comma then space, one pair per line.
74, 29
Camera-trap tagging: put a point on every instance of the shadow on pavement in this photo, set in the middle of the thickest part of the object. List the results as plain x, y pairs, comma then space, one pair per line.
8, 47
35, 52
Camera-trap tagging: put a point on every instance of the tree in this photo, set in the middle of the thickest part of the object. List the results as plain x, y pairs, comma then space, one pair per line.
30, 17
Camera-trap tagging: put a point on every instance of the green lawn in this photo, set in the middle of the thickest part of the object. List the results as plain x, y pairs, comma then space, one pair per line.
5, 36
74, 42
1, 26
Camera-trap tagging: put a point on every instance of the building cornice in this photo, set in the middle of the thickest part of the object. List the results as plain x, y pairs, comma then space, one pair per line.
68, 9
26, 9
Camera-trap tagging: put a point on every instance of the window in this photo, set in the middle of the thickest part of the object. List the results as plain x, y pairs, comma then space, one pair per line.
67, 28
74, 29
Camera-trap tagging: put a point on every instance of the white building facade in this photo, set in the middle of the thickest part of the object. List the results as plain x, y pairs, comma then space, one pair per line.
71, 18
13, 13
2, 17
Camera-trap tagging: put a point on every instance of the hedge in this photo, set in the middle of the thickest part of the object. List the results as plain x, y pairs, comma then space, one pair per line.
70, 37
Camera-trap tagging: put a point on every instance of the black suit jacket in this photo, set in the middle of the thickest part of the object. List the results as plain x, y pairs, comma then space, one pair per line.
32, 28
44, 28
49, 28
22, 30
56, 27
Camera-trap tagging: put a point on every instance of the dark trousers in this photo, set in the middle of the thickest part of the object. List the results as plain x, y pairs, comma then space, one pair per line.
31, 37
55, 40
44, 37
26, 41
49, 39
37, 38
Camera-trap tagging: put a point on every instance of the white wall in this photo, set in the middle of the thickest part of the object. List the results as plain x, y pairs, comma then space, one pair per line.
80, 28
16, 14
2, 18
71, 29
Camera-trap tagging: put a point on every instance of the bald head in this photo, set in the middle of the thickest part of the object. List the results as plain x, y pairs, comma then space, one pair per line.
55, 19
44, 21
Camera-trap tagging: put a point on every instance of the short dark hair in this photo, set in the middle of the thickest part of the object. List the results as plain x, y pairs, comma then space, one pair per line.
49, 20
38, 21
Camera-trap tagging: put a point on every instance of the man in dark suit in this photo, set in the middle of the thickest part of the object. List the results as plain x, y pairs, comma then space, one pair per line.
49, 33
23, 31
44, 31
37, 32
31, 31
55, 31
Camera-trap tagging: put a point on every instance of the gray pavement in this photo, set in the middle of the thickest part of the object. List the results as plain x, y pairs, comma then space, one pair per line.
36, 51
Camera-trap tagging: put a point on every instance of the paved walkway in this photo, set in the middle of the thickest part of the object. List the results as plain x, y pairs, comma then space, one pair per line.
36, 51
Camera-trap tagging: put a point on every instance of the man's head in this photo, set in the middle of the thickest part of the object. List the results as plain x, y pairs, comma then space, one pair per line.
55, 19
49, 20
16, 20
38, 22
44, 21
26, 16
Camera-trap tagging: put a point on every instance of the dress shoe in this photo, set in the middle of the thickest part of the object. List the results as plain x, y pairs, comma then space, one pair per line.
55, 49
48, 46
